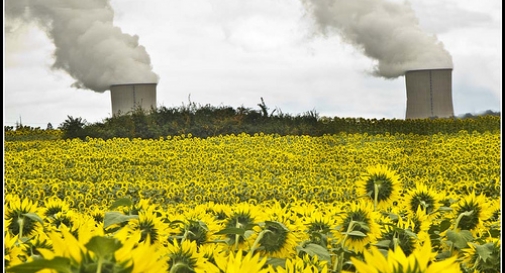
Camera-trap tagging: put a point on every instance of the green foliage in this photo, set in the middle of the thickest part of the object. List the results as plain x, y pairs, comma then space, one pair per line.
73, 128
206, 121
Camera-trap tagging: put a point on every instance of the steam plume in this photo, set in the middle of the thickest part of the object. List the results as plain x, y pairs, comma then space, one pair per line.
88, 47
384, 31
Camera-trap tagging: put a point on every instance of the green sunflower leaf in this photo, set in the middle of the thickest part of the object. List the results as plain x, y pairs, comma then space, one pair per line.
314, 249
34, 217
60, 264
355, 233
383, 243
231, 230
445, 209
103, 247
484, 251
203, 225
121, 202
276, 262
362, 225
460, 239
410, 233
114, 217
444, 225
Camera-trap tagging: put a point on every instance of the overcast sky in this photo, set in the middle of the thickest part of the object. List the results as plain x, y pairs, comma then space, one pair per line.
297, 55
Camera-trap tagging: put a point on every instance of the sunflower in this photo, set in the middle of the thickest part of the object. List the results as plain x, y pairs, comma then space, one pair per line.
196, 225
495, 218
238, 262
97, 214
319, 228
194, 230
483, 258
244, 217
421, 224
14, 251
23, 216
471, 212
211, 253
358, 226
65, 245
54, 205
398, 234
275, 240
277, 237
380, 185
85, 227
303, 264
420, 261
184, 257
425, 198
39, 241
146, 259
148, 224
141, 257
66, 218
220, 212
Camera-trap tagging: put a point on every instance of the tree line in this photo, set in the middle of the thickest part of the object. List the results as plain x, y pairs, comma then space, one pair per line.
206, 121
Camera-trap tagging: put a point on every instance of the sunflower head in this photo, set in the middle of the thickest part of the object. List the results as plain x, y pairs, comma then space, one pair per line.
424, 198
62, 217
52, 206
380, 185
275, 239
421, 260
23, 217
472, 211
239, 219
483, 257
183, 258
319, 229
148, 225
358, 227
240, 262
195, 230
398, 234
14, 252
304, 263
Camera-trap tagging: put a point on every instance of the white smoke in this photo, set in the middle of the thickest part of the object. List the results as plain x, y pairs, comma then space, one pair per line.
88, 46
384, 31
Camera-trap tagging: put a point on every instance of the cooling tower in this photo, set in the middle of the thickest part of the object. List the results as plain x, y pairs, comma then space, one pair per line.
429, 93
126, 98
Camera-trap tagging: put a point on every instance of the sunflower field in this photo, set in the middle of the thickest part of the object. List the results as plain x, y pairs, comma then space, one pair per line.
255, 203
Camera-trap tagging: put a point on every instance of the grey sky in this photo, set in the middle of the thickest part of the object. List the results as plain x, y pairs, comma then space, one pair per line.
231, 53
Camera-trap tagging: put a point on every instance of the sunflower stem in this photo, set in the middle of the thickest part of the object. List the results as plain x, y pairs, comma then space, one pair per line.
395, 242
460, 216
349, 229
21, 224
337, 267
338, 263
237, 237
376, 196
257, 241
99, 266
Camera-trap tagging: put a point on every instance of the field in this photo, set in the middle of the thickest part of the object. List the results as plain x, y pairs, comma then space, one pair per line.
255, 203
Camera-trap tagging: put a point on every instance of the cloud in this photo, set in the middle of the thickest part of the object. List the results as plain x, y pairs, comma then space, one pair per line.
88, 46
384, 31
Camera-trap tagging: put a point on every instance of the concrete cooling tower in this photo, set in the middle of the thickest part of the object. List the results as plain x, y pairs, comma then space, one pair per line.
429, 93
126, 98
